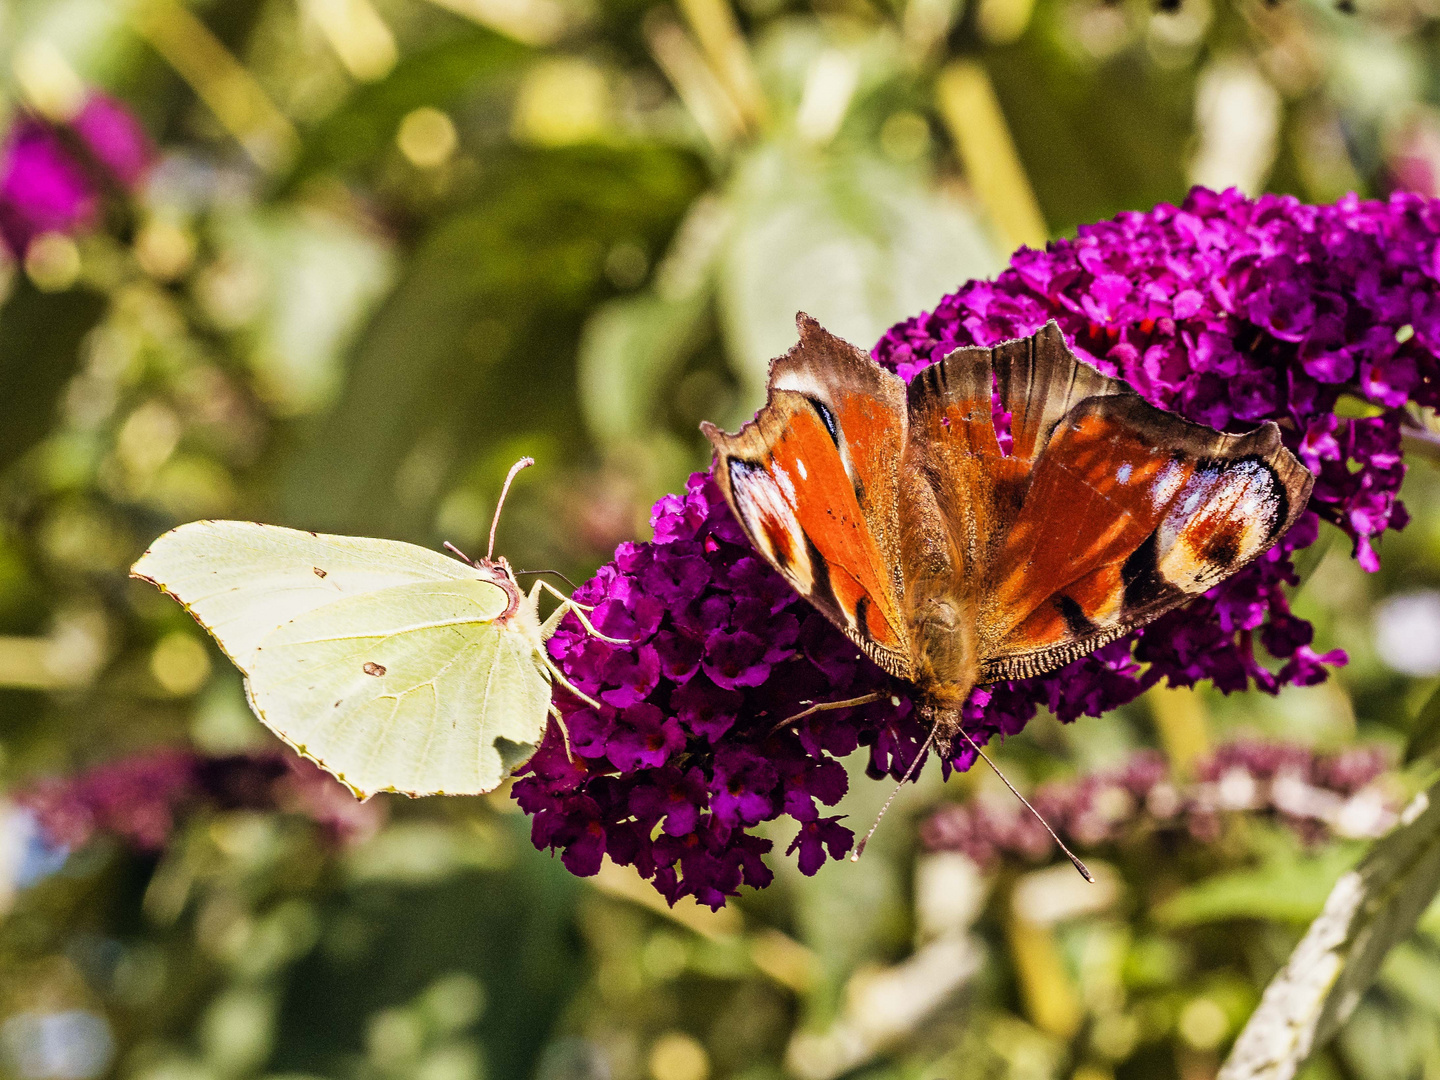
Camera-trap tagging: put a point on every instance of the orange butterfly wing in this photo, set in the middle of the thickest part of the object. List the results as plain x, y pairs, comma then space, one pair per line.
1128, 511
814, 481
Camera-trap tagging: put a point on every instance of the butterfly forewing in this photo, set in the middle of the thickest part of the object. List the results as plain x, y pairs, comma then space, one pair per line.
1129, 512
241, 580
414, 688
814, 481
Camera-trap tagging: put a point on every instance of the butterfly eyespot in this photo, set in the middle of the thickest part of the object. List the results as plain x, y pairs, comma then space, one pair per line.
318, 572
372, 668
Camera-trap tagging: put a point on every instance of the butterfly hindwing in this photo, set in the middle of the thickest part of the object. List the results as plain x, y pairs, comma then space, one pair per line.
1038, 380
415, 688
814, 481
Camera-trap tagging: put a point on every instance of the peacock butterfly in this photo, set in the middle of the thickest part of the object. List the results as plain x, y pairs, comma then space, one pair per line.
952, 561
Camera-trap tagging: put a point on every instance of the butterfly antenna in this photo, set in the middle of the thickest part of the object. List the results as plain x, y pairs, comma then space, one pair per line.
1084, 870
458, 553
557, 573
523, 463
910, 772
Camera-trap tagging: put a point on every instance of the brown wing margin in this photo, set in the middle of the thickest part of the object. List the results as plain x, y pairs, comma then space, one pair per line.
1039, 380
1186, 507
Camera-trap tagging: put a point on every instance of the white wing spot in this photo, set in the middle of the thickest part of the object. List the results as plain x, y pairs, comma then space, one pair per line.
800, 468
782, 478
1122, 474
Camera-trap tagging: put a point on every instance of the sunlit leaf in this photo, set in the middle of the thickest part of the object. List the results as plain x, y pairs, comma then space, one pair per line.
324, 276
851, 240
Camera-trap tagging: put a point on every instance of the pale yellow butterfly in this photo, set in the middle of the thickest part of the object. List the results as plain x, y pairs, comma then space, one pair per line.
394, 667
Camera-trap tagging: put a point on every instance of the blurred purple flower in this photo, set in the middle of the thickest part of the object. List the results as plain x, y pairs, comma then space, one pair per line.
42, 187
1316, 795
1226, 310
139, 799
53, 177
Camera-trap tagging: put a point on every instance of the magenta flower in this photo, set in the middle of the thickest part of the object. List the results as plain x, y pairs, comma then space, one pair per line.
1313, 794
42, 187
52, 179
1226, 310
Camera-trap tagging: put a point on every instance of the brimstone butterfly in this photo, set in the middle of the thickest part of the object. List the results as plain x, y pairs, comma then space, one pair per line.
394, 667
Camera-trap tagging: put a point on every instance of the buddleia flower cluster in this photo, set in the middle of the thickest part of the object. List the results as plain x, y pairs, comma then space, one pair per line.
1316, 795
1227, 310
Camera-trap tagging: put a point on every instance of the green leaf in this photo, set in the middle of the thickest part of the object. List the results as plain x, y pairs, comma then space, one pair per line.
854, 242
1370, 910
480, 332
359, 130
1425, 731
1284, 889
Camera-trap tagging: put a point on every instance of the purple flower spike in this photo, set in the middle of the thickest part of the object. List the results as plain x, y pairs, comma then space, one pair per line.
139, 799
1315, 795
1227, 310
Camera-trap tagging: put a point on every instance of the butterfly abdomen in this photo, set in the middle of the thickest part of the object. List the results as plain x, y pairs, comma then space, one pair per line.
942, 635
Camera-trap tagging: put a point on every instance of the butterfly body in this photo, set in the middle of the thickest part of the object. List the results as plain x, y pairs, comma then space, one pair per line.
953, 562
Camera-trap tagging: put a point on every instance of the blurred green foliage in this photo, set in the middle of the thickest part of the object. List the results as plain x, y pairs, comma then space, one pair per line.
390, 246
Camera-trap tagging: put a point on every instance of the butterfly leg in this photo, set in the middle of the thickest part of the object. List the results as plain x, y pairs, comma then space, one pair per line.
567, 604
827, 706
559, 677
564, 732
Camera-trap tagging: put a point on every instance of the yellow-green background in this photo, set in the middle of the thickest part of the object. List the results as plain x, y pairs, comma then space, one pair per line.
391, 246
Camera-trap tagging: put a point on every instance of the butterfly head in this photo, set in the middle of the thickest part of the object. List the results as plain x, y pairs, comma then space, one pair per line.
495, 571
